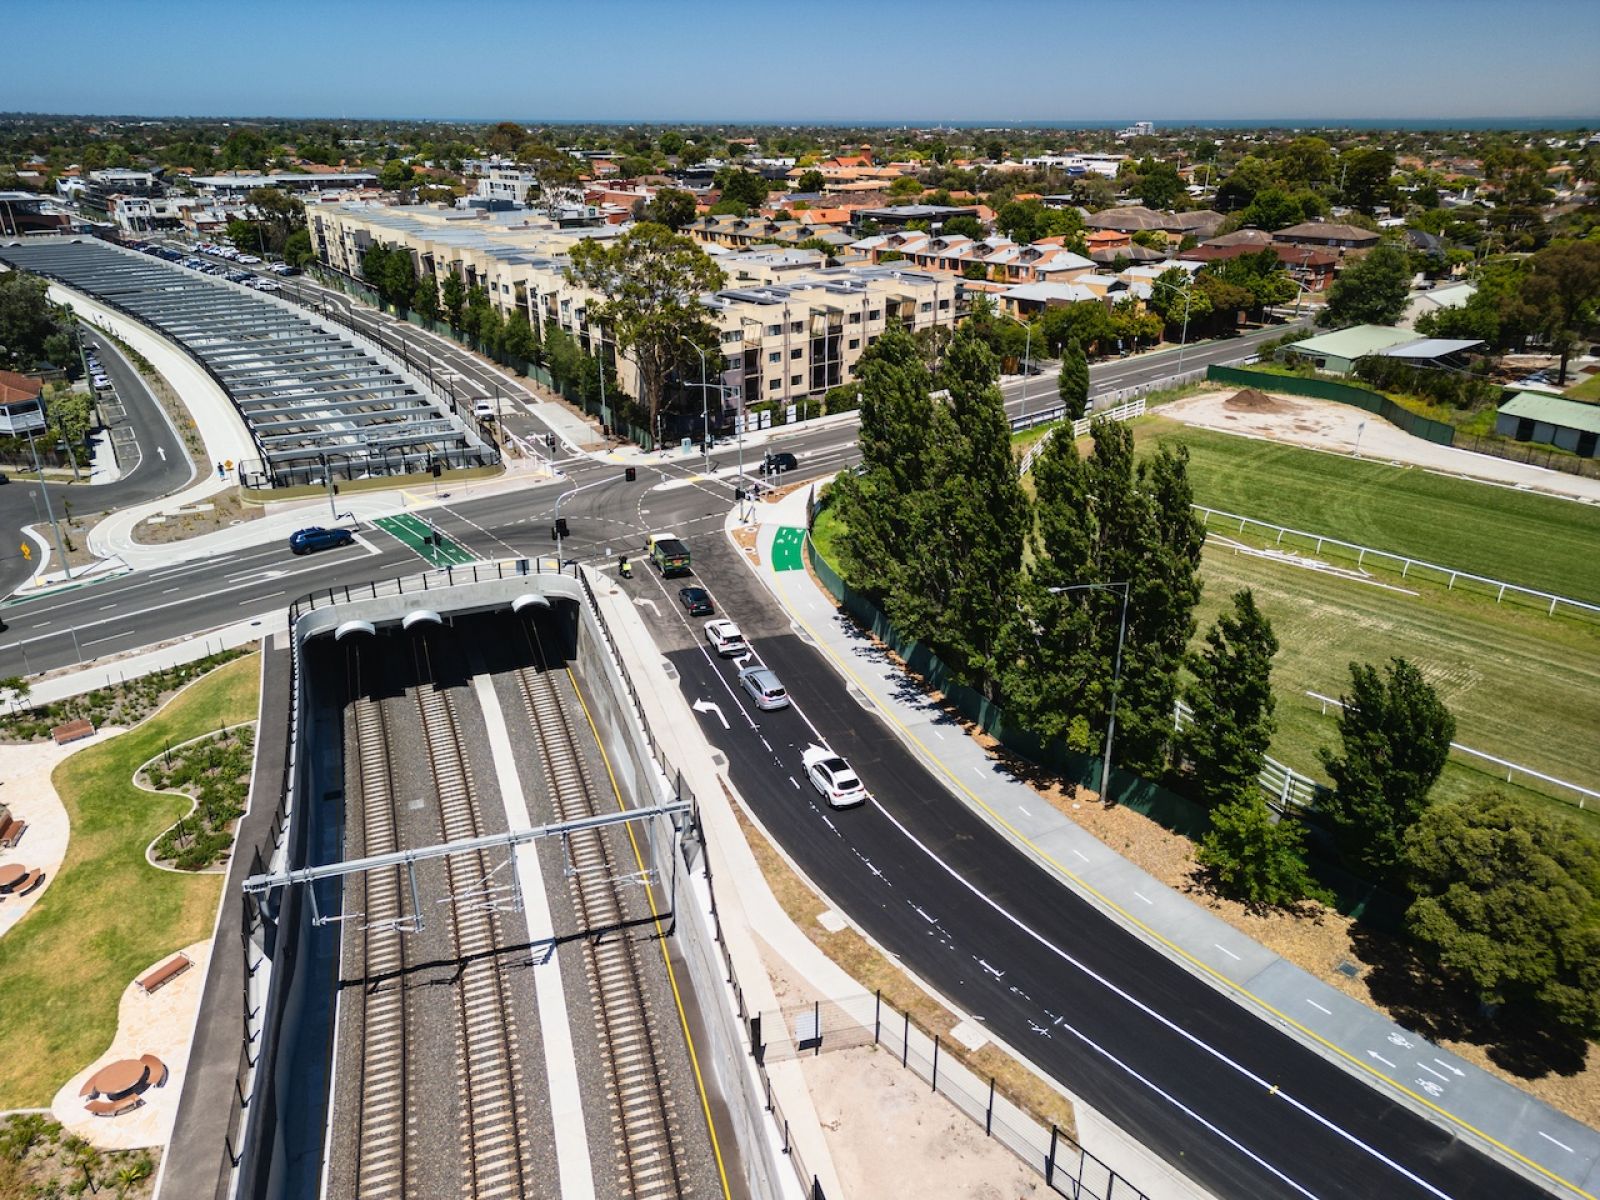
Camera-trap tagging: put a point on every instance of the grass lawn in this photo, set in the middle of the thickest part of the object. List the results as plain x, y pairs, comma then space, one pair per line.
108, 914
1519, 537
1589, 389
1522, 685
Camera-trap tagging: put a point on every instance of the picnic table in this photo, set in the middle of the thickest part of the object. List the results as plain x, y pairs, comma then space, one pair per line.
11, 874
118, 1079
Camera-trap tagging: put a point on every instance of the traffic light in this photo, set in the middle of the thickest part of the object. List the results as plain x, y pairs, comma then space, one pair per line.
561, 527
629, 474
435, 469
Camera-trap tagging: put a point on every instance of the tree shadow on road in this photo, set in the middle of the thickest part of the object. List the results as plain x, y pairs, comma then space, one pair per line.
1418, 995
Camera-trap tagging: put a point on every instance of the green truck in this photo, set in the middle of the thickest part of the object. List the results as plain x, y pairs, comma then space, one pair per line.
669, 554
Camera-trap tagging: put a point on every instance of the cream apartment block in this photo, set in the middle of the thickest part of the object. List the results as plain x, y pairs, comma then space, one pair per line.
790, 327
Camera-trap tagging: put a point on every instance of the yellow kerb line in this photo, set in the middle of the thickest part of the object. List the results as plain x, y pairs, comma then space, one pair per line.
1179, 950
661, 941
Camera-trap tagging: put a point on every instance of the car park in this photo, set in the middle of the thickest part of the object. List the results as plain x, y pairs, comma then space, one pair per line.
725, 638
315, 537
697, 600
833, 778
776, 464
764, 689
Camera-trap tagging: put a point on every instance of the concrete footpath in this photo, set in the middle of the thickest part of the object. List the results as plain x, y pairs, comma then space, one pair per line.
1500, 1118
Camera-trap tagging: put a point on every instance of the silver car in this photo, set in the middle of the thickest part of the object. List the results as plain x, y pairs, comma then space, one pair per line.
764, 688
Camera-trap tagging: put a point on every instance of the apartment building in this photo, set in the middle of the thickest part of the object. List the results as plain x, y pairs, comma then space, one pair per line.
791, 328
1001, 259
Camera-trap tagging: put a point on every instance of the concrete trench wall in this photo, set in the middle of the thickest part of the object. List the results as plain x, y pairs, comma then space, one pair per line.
295, 1024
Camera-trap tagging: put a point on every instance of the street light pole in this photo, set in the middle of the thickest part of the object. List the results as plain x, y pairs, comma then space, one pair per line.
705, 404
1116, 673
49, 508
1027, 356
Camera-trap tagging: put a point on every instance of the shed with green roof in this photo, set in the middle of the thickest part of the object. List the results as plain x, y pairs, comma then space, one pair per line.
1555, 420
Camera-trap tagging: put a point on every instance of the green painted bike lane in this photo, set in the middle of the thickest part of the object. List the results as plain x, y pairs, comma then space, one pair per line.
415, 533
788, 545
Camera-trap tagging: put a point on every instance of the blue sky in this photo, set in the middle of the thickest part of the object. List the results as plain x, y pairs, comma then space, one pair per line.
934, 60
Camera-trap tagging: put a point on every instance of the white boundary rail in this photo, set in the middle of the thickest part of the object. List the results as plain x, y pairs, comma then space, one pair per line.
1123, 412
1511, 769
1282, 783
1318, 542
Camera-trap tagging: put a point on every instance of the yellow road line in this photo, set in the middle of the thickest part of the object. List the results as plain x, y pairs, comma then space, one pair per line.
1200, 965
661, 941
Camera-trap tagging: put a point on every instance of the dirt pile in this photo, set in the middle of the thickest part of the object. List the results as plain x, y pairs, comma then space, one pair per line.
1251, 400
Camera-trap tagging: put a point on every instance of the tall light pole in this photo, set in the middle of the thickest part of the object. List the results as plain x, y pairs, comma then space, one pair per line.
1116, 673
1027, 355
705, 403
1183, 339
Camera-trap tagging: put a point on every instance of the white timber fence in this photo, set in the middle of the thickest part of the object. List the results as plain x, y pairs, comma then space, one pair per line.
1122, 412
1284, 786
1407, 567
1511, 769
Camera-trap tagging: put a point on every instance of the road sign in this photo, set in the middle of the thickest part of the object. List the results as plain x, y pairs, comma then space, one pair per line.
27, 551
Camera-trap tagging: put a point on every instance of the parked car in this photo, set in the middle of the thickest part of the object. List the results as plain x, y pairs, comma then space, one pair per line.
832, 776
776, 464
315, 537
725, 638
483, 409
764, 688
697, 600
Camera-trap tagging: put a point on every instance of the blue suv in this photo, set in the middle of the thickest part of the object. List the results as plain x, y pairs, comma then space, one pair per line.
304, 541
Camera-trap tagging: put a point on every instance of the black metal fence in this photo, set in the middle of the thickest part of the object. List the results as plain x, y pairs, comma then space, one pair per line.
809, 1029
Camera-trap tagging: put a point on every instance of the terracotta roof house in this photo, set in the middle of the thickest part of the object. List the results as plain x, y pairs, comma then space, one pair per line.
1258, 238
1327, 233
1136, 218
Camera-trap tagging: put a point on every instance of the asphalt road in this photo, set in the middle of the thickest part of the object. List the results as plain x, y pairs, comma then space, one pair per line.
1240, 1107
153, 459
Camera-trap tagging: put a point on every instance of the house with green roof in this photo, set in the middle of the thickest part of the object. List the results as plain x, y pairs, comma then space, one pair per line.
1555, 420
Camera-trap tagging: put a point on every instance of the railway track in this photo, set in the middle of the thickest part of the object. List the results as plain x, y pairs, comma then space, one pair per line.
384, 1118
644, 1123
494, 1140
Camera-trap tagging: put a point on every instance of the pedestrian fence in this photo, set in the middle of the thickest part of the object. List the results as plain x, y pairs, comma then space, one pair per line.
867, 1020
1408, 567
1125, 411
1511, 769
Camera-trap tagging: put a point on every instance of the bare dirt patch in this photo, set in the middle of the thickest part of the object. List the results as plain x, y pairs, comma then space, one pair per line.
221, 511
744, 536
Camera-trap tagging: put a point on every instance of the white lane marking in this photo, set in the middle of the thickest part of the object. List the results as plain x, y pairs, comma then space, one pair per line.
991, 970
1457, 1071
1080, 854
1024, 811
1382, 1059
826, 821
1226, 951
978, 771
1553, 1142
938, 735
1319, 1007
259, 599
103, 607
921, 912
1170, 1024
169, 591
796, 785
1431, 1071
706, 706
1145, 898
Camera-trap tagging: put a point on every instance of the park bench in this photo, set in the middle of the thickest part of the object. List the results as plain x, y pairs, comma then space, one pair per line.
113, 1108
11, 831
72, 731
165, 973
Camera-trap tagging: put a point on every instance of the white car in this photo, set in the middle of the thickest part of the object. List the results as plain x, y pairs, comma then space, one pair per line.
725, 638
832, 776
